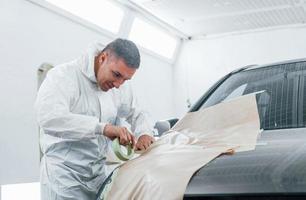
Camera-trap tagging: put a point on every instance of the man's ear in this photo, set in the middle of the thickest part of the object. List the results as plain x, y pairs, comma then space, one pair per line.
102, 57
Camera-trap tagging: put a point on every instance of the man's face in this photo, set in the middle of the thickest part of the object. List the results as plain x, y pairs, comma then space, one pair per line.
111, 71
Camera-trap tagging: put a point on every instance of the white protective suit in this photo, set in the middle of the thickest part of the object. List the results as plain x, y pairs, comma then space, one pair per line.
72, 111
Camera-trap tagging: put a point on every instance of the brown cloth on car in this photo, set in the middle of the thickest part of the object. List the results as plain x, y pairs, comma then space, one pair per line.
164, 170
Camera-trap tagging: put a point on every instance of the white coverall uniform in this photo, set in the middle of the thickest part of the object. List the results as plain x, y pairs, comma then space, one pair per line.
72, 111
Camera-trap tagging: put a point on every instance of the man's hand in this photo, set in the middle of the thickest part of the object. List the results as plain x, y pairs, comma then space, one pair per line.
144, 142
124, 136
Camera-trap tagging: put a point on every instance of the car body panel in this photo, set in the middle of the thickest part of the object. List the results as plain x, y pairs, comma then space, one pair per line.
277, 165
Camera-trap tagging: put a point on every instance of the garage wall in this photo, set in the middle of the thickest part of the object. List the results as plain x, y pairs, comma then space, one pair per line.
203, 62
31, 35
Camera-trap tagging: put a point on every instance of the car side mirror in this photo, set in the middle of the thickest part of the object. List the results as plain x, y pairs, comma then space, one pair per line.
164, 125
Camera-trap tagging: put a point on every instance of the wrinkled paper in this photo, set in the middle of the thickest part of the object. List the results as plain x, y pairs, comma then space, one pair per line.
164, 170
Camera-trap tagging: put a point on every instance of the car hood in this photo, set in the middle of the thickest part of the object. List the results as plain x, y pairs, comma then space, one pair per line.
277, 165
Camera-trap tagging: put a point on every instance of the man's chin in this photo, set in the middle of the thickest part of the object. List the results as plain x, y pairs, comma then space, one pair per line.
104, 89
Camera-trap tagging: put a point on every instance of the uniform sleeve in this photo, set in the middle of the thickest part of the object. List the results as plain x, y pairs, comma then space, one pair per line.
134, 114
55, 97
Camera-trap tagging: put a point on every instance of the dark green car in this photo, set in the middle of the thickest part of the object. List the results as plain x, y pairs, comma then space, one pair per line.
276, 169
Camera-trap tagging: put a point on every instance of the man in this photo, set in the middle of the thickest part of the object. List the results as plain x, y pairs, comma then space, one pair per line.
78, 106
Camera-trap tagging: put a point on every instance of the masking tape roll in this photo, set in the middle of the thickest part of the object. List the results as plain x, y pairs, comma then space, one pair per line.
118, 152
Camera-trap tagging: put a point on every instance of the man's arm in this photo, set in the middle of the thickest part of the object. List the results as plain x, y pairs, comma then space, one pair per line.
53, 110
139, 121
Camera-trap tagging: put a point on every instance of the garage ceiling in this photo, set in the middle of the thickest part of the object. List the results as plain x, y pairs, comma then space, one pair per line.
210, 17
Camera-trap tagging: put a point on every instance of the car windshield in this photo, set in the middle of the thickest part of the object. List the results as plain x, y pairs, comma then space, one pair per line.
283, 99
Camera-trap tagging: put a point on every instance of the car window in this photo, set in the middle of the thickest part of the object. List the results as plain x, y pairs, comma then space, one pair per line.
278, 104
236, 93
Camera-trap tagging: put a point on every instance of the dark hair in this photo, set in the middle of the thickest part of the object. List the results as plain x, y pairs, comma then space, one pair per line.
126, 50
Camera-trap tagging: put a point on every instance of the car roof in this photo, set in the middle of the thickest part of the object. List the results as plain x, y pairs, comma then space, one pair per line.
255, 66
